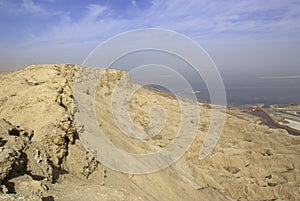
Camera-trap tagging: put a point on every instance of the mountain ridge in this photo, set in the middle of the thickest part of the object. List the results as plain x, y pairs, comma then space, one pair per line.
250, 162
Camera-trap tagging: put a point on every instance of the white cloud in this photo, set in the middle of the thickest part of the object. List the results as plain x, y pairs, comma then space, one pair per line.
196, 18
39, 9
133, 2
32, 7
94, 11
213, 17
214, 22
95, 23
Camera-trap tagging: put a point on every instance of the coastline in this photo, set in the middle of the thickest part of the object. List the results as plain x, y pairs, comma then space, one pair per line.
257, 110
274, 123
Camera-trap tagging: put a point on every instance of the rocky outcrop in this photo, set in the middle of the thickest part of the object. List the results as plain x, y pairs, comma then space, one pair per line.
13, 142
21, 161
40, 98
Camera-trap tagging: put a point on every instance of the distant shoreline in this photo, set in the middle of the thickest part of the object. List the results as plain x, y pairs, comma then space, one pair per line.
259, 110
270, 121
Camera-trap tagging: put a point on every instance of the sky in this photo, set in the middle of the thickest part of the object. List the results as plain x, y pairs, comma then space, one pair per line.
241, 36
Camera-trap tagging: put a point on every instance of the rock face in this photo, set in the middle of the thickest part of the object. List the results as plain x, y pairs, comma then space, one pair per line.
21, 161
32, 94
13, 143
42, 157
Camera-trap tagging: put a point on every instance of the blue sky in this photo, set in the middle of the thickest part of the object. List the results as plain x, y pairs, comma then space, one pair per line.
240, 35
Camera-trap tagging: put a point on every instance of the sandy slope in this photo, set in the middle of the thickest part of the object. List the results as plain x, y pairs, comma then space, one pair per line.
250, 162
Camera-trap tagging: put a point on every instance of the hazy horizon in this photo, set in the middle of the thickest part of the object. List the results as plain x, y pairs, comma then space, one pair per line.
249, 41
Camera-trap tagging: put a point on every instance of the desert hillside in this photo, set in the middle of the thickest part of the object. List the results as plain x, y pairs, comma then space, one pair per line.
42, 156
